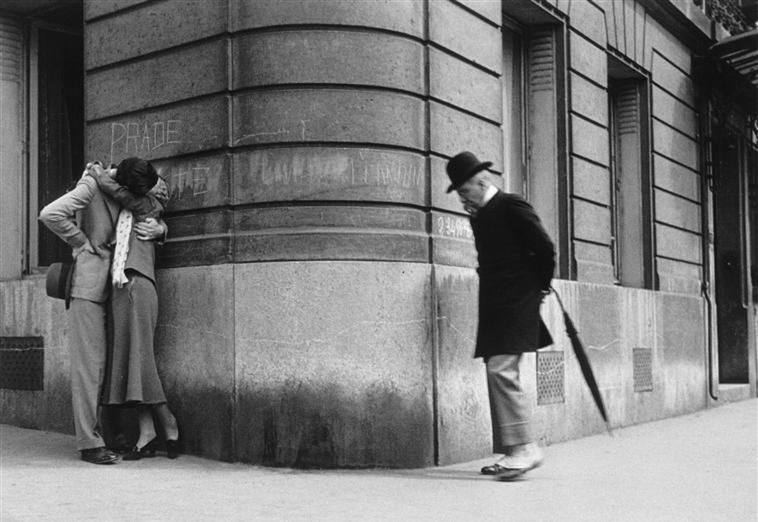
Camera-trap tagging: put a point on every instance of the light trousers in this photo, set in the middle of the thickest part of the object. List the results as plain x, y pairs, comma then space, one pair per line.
511, 423
87, 348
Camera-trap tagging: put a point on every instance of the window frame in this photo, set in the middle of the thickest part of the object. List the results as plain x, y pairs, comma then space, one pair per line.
520, 34
31, 263
623, 72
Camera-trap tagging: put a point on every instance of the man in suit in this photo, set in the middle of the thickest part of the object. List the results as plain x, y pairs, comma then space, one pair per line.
516, 262
86, 219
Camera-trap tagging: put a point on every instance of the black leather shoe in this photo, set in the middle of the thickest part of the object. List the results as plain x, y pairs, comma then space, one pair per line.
145, 452
493, 469
99, 456
509, 474
173, 448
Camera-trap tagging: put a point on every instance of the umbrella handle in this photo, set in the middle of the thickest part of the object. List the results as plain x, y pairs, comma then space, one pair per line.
566, 320
558, 297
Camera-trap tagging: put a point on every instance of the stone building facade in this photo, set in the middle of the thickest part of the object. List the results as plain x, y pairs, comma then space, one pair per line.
318, 292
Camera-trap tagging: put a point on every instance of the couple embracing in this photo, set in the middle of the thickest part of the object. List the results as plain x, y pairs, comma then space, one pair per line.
111, 219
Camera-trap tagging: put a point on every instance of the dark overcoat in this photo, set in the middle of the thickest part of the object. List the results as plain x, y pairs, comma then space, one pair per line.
516, 263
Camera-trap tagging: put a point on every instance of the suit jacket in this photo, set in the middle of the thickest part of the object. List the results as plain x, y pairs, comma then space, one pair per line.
141, 256
516, 262
82, 213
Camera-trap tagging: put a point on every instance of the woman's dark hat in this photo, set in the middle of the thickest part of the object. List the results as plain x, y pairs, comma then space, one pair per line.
136, 174
463, 167
58, 281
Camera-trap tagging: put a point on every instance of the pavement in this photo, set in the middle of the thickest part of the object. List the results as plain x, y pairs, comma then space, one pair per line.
699, 467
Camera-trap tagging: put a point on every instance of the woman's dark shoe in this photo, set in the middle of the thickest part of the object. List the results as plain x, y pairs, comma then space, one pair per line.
173, 448
145, 452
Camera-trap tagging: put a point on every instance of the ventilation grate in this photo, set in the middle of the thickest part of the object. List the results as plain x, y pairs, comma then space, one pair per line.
550, 376
22, 363
642, 359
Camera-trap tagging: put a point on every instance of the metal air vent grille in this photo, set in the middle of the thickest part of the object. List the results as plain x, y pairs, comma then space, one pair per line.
550, 377
642, 359
22, 363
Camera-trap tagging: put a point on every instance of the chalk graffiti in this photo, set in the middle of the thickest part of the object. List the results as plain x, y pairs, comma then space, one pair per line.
453, 226
139, 138
335, 169
299, 128
253, 136
186, 181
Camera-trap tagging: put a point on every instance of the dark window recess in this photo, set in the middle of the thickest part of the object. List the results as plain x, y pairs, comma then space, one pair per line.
22, 363
550, 377
61, 128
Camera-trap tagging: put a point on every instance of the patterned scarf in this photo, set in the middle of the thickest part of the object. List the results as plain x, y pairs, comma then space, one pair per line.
123, 230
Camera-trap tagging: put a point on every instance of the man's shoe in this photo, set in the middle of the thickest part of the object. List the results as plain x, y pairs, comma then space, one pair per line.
493, 469
99, 456
528, 456
523, 459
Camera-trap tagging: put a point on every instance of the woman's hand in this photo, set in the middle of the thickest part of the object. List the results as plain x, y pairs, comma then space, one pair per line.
95, 169
149, 230
160, 191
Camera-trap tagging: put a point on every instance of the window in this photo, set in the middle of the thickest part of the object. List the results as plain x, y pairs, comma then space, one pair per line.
630, 178
545, 142
11, 139
42, 117
513, 112
534, 142
60, 129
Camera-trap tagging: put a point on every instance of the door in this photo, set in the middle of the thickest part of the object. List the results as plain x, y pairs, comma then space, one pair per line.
731, 285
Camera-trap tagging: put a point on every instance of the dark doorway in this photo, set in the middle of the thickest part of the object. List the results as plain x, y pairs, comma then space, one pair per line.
61, 126
732, 300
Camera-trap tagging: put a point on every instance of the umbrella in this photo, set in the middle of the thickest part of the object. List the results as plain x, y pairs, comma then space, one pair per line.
584, 362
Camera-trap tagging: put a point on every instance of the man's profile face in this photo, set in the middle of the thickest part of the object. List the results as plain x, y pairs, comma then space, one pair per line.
471, 194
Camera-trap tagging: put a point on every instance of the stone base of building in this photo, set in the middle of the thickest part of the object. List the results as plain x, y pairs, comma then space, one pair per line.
362, 364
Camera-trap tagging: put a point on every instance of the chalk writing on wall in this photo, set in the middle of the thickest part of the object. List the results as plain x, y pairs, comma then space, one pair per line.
297, 130
340, 169
138, 138
453, 226
191, 180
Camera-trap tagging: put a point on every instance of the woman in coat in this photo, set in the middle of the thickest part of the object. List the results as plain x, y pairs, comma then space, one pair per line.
131, 374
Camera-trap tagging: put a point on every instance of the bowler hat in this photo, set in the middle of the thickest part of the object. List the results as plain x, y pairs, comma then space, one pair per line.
463, 167
58, 282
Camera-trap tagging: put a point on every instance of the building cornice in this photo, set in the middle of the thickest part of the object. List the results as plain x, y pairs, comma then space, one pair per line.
686, 21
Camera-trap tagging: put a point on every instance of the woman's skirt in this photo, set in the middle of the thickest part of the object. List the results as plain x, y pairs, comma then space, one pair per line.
131, 375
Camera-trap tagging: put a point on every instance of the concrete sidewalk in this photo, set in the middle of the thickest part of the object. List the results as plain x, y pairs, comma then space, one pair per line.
691, 468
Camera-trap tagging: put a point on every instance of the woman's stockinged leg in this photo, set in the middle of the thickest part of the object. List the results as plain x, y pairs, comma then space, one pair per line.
170, 429
146, 425
167, 420
143, 448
